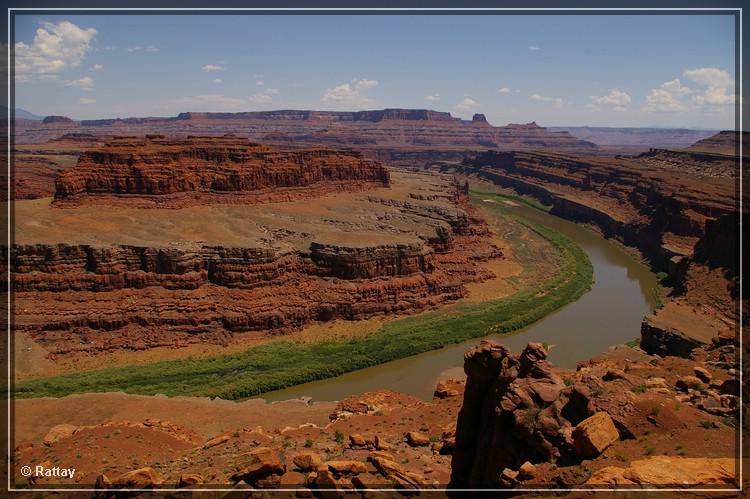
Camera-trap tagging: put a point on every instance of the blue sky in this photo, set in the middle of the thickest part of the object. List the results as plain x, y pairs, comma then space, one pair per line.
655, 70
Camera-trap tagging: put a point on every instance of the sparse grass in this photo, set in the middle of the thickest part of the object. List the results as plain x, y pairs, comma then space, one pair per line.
639, 389
707, 424
654, 411
308, 443
622, 457
650, 449
339, 437
633, 343
568, 381
267, 368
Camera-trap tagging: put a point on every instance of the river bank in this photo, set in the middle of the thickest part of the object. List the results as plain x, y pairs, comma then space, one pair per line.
267, 367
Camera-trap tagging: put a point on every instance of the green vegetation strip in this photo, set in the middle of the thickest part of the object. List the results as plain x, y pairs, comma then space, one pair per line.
282, 364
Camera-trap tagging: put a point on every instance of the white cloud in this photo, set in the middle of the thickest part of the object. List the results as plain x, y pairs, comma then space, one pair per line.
556, 101
96, 67
86, 100
218, 80
272, 90
466, 104
261, 98
615, 99
85, 83
668, 97
433, 98
211, 67
503, 90
260, 83
534, 48
720, 86
350, 95
151, 48
710, 77
55, 47
540, 98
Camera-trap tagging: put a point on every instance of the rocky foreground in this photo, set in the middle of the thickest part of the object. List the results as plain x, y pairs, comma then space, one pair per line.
623, 419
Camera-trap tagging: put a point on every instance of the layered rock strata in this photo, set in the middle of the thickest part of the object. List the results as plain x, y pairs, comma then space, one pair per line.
376, 132
156, 171
353, 261
677, 207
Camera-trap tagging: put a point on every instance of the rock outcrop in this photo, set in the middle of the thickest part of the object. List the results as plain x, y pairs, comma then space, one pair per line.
516, 409
168, 173
663, 471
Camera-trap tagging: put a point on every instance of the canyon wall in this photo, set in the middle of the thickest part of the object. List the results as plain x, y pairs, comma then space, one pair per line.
677, 207
171, 173
267, 270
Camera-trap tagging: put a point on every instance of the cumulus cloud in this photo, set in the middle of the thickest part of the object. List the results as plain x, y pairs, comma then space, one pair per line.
272, 90
466, 104
668, 97
719, 83
211, 67
615, 99
86, 100
534, 48
503, 90
218, 80
433, 98
55, 48
96, 67
260, 83
85, 83
350, 95
556, 101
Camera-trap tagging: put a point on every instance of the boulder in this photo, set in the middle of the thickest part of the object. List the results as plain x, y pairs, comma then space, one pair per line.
527, 471
216, 441
730, 386
702, 374
417, 439
357, 440
325, 480
142, 478
189, 480
307, 461
257, 464
59, 432
686, 383
347, 467
448, 388
593, 435
667, 471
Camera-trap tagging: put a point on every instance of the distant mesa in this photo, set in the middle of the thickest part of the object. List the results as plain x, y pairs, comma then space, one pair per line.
724, 142
403, 137
479, 119
56, 119
170, 173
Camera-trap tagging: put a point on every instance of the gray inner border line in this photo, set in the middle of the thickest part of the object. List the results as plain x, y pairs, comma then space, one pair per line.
738, 109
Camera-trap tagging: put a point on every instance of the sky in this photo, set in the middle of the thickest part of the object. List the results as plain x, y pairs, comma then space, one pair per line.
562, 70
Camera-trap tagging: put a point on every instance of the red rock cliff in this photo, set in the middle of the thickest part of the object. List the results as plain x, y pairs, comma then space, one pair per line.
172, 173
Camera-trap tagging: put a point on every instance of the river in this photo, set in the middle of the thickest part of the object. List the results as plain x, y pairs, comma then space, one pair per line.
609, 314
